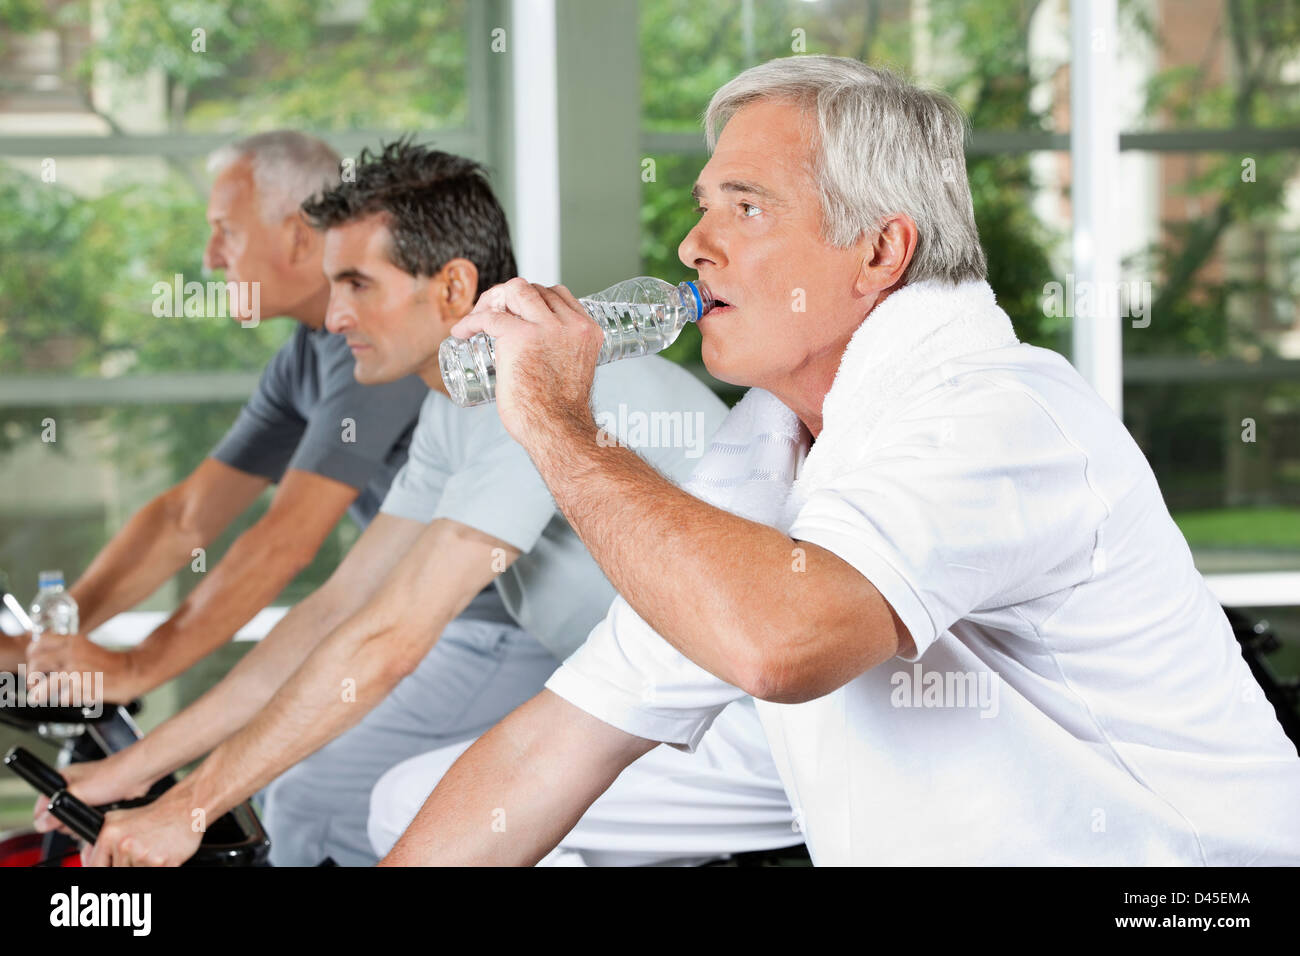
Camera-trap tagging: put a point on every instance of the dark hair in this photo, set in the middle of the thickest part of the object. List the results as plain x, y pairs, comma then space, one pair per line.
438, 207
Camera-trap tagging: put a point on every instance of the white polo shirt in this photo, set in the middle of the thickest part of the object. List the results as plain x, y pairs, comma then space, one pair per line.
1077, 696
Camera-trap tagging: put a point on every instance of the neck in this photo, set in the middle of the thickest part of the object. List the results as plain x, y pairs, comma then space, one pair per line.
808, 408
311, 310
431, 375
804, 390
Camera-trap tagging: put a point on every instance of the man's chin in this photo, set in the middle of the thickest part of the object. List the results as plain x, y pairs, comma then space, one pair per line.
370, 376
719, 368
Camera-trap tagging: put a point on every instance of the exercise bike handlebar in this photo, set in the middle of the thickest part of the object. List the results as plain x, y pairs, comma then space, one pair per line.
35, 771
235, 839
83, 820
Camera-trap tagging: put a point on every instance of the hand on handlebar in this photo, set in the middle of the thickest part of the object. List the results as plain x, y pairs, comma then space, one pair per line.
166, 832
95, 783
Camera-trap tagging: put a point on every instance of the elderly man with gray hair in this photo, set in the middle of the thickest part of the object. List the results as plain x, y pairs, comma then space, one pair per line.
931, 552
331, 444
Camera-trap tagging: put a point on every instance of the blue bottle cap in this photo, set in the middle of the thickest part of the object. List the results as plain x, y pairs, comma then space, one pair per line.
699, 301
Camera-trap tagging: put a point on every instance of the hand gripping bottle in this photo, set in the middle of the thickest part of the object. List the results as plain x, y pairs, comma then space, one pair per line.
640, 316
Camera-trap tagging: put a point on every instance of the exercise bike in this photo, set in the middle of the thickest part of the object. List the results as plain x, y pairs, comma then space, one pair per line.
1257, 641
236, 839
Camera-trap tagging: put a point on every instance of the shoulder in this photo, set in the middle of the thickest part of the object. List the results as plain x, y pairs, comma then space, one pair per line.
459, 432
296, 351
1016, 400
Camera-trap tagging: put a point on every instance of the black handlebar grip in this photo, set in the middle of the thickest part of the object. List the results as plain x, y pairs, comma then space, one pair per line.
85, 821
35, 771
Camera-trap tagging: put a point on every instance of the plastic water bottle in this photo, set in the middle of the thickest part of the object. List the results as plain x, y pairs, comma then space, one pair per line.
53, 610
640, 316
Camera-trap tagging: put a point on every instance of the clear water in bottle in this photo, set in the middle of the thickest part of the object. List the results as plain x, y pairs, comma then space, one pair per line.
639, 316
53, 611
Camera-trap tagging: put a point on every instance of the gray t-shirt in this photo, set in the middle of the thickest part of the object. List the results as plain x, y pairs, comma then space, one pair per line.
464, 466
309, 412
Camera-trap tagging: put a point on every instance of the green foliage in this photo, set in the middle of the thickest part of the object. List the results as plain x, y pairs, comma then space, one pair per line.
21, 16
327, 79
1232, 528
83, 294
189, 41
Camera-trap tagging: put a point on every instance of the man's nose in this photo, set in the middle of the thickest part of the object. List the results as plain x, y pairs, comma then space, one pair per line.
699, 248
338, 318
212, 257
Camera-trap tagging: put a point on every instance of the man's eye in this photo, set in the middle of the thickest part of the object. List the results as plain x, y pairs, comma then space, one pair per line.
700, 210
356, 284
748, 206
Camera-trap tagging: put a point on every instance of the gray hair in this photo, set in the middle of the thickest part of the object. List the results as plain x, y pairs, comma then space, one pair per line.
884, 146
288, 168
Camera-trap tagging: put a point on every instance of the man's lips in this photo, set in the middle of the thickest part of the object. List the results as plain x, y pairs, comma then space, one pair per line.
720, 304
358, 346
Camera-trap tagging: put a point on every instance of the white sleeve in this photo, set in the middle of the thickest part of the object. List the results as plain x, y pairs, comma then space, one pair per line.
631, 678
963, 505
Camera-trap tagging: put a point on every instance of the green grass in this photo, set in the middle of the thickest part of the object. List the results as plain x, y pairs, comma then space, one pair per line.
1264, 528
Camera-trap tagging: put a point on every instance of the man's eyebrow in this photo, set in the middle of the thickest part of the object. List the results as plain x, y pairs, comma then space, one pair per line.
738, 186
349, 273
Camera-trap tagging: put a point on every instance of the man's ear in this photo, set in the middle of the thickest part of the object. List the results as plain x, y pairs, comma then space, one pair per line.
303, 239
886, 256
460, 284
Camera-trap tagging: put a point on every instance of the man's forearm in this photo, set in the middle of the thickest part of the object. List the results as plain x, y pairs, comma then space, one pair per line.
233, 701
347, 677
784, 620
519, 789
250, 575
146, 552
355, 667
720, 584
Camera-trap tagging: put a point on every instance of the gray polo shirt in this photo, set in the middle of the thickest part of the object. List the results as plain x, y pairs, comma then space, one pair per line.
309, 412
464, 466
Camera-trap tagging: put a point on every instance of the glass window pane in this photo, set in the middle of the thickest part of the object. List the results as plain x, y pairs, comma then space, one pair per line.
152, 66
89, 260
1212, 64
1003, 61
61, 500
1212, 378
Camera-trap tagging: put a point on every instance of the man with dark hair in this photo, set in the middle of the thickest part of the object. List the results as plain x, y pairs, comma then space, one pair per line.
455, 605
466, 223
